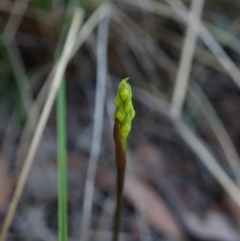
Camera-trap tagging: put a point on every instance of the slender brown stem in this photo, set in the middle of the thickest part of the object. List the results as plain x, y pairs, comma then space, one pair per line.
120, 164
118, 210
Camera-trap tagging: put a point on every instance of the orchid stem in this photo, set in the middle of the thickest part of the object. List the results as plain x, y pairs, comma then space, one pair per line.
118, 211
123, 116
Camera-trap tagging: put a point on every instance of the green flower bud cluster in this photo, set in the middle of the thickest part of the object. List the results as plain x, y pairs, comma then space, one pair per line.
124, 112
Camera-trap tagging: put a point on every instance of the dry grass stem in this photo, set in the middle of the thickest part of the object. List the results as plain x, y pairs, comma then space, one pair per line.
183, 73
102, 43
97, 16
14, 21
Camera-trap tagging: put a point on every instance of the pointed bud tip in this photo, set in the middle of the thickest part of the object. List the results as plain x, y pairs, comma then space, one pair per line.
126, 79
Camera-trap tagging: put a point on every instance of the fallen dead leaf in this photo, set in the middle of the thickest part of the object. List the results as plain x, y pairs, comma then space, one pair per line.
212, 226
152, 206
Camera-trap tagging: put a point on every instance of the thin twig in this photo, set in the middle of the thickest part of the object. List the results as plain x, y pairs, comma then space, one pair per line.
135, 42
87, 28
33, 115
14, 21
183, 73
225, 37
8, 36
102, 44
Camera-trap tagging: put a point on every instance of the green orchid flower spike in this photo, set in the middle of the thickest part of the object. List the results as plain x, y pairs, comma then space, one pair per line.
124, 112
123, 116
